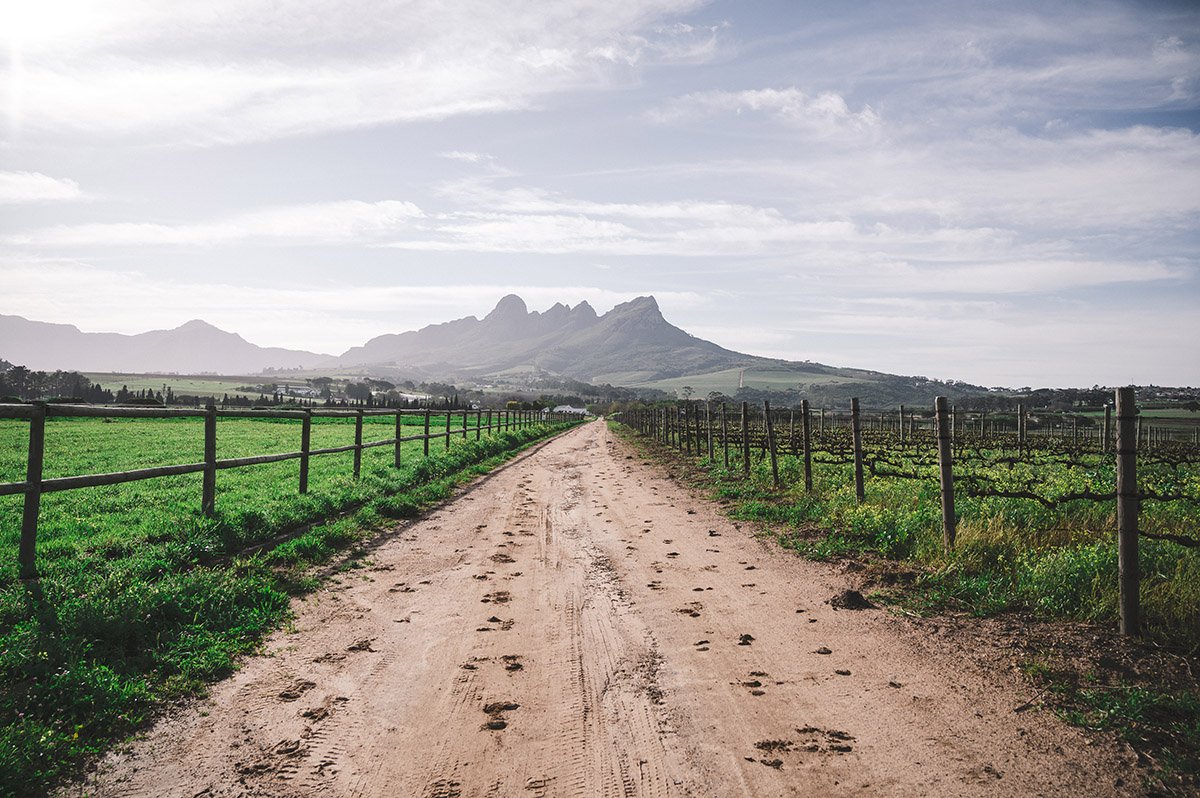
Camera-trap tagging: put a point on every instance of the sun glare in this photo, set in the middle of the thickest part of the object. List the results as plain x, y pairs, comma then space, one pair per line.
28, 26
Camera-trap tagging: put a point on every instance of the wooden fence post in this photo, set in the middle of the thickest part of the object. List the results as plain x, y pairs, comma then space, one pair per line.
946, 471
306, 444
1127, 511
358, 430
464, 425
745, 440
449, 421
771, 442
425, 442
399, 435
902, 439
687, 426
856, 433
208, 497
478, 424
806, 434
27, 556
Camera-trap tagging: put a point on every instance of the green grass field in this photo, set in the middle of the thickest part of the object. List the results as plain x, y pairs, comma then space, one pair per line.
141, 599
190, 384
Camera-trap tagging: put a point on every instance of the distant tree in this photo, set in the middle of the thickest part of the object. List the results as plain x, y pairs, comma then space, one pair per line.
360, 391
687, 391
18, 379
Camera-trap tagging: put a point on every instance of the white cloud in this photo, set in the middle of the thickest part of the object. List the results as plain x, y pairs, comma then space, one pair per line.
824, 115
28, 187
347, 221
467, 157
246, 70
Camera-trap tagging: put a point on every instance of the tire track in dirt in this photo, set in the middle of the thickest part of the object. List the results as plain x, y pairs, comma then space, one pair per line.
577, 625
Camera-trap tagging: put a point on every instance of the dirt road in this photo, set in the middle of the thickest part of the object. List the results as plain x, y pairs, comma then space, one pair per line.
576, 624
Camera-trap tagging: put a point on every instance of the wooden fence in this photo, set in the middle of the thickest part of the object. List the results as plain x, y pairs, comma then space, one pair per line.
682, 427
485, 421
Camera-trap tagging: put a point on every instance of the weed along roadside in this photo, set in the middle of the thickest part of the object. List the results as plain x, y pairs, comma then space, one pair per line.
142, 598
982, 528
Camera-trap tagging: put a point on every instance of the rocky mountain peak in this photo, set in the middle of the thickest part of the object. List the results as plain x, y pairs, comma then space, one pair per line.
584, 310
644, 309
509, 308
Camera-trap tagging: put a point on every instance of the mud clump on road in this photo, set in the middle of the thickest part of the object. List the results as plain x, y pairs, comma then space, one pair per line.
495, 712
851, 600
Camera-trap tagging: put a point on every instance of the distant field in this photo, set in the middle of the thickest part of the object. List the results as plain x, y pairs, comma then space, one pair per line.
1170, 412
726, 381
1176, 418
193, 384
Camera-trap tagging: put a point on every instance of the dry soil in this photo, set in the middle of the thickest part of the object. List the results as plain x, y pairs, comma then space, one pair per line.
577, 624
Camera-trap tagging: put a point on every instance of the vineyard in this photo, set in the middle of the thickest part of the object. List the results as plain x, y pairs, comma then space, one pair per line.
1001, 515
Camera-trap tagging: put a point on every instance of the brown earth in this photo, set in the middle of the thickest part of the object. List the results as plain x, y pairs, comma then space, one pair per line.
575, 624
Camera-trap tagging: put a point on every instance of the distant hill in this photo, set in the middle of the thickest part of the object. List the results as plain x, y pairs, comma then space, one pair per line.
194, 347
632, 340
631, 345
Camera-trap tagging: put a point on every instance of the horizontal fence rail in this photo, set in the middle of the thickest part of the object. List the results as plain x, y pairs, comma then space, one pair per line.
457, 424
952, 447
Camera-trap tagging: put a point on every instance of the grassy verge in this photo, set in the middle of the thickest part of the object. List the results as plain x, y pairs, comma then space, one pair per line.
1012, 557
127, 617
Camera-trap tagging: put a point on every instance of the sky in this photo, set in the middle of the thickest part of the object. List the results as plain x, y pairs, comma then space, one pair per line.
1007, 194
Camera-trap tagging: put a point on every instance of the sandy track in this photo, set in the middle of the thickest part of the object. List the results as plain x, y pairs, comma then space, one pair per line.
573, 626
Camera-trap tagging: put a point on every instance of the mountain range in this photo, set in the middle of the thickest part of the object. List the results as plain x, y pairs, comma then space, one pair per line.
193, 348
631, 345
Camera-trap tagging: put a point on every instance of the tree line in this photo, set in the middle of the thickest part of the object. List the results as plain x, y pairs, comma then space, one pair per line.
21, 384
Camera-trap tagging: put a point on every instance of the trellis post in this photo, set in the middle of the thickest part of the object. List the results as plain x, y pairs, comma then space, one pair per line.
946, 471
745, 439
770, 425
806, 433
856, 433
1127, 511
